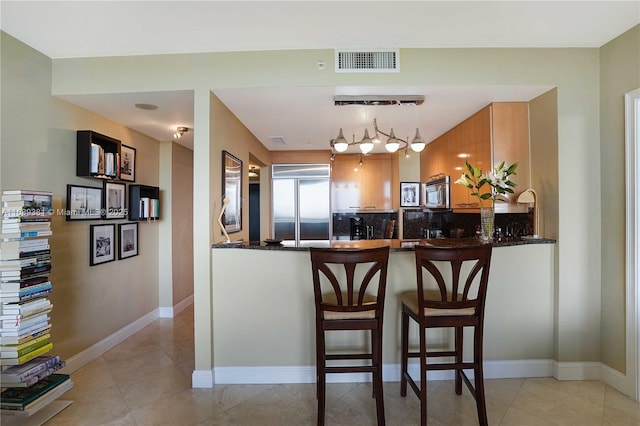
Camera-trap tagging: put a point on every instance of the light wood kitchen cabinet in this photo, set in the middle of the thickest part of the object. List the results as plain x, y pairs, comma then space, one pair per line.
371, 186
499, 132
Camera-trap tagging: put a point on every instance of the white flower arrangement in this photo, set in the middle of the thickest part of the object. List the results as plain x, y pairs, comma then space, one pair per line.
497, 179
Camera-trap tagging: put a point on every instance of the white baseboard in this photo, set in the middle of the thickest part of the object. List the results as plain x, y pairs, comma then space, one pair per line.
577, 370
172, 311
202, 379
619, 381
390, 373
79, 360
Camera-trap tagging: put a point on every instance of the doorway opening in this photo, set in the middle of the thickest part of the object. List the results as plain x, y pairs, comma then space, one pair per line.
256, 169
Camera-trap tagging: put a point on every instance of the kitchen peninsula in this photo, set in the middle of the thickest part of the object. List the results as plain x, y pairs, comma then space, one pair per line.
263, 302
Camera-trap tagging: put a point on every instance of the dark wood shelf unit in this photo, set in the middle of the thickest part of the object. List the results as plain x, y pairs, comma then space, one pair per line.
85, 138
142, 192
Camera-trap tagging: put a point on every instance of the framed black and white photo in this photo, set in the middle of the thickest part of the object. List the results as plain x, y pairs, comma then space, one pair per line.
128, 239
114, 200
232, 192
127, 163
102, 244
409, 194
83, 203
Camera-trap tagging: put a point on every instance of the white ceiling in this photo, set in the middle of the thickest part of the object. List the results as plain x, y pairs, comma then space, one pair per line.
71, 29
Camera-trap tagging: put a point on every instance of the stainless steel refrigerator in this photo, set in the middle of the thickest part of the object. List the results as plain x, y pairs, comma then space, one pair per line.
301, 210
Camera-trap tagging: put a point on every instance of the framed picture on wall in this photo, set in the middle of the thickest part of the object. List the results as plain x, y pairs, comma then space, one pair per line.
102, 244
409, 194
127, 163
128, 233
114, 200
83, 203
232, 192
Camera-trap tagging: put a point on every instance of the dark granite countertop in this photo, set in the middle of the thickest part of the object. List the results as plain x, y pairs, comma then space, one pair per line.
395, 245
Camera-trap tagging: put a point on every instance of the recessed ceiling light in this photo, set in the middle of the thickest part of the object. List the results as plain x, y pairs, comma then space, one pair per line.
148, 107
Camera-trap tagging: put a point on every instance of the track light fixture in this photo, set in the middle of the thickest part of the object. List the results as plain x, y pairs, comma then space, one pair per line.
179, 132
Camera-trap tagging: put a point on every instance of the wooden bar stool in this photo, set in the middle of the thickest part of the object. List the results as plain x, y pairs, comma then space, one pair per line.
349, 289
452, 288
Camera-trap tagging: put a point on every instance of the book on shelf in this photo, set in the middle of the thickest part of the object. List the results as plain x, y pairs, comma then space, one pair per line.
25, 274
14, 352
10, 265
19, 373
17, 322
14, 236
20, 297
17, 340
28, 327
23, 292
8, 222
24, 244
96, 159
40, 402
35, 378
32, 271
25, 226
28, 357
10, 285
26, 195
19, 398
11, 255
25, 308
6, 254
9, 194
9, 337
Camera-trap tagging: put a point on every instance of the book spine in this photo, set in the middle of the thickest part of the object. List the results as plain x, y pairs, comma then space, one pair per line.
17, 374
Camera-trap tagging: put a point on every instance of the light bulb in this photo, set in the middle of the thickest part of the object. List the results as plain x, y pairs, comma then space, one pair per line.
418, 144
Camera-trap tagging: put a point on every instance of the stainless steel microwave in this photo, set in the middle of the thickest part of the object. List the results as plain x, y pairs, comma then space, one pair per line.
436, 193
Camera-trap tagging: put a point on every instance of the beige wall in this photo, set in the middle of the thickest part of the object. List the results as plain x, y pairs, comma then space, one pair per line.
620, 73
182, 221
518, 332
38, 140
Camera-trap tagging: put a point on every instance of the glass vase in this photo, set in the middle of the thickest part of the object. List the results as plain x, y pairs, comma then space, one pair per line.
487, 217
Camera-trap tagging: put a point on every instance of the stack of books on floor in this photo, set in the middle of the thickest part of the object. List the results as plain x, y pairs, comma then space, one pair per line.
28, 376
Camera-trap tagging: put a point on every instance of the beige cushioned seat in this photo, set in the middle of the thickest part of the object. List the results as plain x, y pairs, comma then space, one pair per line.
410, 299
331, 299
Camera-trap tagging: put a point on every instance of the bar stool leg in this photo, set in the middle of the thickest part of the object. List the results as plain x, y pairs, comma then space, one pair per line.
376, 338
404, 360
458, 373
321, 379
479, 379
423, 376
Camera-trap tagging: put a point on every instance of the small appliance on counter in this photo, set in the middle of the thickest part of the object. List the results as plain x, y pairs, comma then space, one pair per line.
357, 228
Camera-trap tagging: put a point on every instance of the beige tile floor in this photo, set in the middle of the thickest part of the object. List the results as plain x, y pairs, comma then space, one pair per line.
146, 380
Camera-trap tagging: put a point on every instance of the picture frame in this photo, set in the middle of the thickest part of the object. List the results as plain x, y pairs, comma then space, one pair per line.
83, 203
409, 194
114, 203
102, 244
232, 192
128, 240
127, 163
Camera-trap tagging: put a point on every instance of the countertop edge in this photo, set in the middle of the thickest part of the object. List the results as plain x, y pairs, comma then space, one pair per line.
394, 245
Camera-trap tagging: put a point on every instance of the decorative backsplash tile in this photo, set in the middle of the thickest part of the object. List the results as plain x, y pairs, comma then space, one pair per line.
417, 223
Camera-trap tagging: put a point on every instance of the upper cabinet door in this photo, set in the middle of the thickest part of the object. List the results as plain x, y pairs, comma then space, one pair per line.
499, 132
370, 186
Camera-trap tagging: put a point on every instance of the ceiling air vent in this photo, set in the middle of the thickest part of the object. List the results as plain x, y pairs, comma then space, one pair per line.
368, 61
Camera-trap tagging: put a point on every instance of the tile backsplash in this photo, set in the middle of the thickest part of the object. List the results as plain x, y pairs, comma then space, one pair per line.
416, 223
